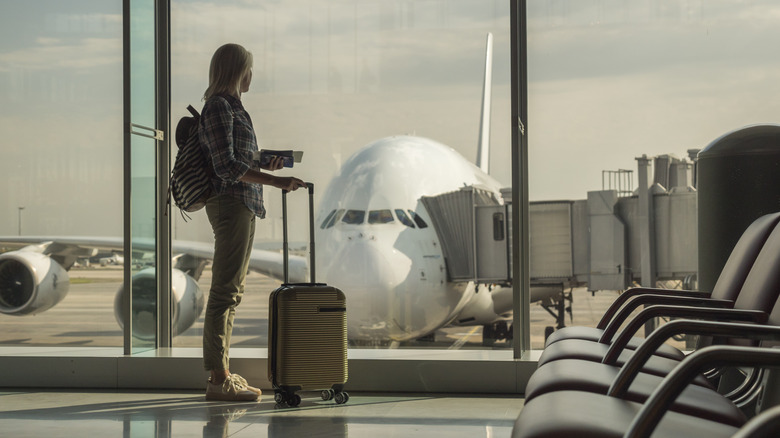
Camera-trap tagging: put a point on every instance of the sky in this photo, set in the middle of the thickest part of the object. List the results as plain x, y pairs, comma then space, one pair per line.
609, 80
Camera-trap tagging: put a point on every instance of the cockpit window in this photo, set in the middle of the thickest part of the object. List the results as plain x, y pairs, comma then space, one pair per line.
404, 218
380, 217
333, 217
418, 220
327, 219
354, 217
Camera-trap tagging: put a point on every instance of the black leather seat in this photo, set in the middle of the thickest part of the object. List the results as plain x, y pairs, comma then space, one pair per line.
586, 414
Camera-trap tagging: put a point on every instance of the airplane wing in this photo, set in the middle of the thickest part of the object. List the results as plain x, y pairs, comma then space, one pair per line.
265, 262
100, 243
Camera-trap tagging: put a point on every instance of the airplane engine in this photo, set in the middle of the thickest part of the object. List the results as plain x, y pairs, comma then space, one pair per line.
30, 282
188, 303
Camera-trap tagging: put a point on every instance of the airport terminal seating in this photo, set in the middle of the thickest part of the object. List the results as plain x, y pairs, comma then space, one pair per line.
761, 287
736, 296
573, 413
764, 425
724, 294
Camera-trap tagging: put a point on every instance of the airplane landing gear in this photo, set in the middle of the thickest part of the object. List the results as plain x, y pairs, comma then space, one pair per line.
498, 331
558, 309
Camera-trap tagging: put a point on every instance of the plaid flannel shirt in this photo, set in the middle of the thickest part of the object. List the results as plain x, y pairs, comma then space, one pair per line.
226, 130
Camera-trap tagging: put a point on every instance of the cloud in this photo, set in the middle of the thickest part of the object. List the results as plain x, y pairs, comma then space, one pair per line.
52, 54
640, 37
302, 47
46, 41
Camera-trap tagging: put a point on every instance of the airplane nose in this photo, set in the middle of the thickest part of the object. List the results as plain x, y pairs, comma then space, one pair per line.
360, 269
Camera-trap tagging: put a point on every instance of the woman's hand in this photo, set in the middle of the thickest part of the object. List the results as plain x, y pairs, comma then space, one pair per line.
288, 183
276, 163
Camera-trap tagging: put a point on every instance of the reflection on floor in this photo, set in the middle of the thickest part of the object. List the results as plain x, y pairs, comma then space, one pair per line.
186, 414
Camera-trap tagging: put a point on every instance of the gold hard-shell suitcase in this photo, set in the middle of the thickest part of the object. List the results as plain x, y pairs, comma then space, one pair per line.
307, 332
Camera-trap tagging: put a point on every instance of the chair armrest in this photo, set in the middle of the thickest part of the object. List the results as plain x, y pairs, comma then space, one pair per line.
653, 299
662, 398
637, 291
706, 313
764, 425
631, 369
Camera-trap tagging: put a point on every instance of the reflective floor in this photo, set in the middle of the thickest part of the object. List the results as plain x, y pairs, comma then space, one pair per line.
143, 414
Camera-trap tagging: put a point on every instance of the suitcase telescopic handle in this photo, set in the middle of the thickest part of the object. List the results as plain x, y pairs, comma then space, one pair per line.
285, 242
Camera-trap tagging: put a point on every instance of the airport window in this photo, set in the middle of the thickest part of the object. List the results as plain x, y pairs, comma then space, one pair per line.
354, 217
404, 218
417, 219
380, 217
347, 71
62, 167
353, 72
629, 69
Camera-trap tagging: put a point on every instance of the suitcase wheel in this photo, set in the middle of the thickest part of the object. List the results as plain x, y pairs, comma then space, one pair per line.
341, 398
291, 399
328, 394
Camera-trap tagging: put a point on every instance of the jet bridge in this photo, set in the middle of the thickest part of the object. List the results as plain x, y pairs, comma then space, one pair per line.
612, 240
473, 228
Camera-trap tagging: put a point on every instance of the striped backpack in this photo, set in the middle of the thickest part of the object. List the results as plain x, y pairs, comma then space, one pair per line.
190, 183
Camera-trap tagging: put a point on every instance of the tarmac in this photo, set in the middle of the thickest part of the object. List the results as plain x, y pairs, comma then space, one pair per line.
86, 317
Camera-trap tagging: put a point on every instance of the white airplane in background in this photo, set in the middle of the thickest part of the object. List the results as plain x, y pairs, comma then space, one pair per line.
375, 241
113, 259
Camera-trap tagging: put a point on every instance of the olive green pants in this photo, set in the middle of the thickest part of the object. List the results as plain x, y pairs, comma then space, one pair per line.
234, 231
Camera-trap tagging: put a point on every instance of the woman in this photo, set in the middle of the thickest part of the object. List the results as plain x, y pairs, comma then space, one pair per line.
226, 130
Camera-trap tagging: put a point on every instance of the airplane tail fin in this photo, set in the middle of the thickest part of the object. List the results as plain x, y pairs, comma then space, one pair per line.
483, 147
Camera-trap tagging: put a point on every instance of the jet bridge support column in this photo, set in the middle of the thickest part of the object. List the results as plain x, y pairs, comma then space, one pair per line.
646, 230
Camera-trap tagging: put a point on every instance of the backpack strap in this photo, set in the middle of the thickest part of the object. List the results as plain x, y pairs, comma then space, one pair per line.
193, 111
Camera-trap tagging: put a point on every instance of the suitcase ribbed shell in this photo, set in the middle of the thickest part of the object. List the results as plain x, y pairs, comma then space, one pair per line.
310, 339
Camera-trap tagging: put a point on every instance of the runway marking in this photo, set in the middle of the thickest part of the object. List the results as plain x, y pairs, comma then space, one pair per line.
462, 341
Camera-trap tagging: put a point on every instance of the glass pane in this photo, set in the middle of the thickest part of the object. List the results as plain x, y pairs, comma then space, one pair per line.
142, 105
400, 81
380, 217
328, 218
354, 217
404, 218
610, 81
61, 172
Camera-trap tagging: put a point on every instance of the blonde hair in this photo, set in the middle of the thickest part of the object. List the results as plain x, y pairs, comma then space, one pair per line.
229, 64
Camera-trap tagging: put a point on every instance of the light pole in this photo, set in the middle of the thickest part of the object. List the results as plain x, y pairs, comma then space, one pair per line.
20, 220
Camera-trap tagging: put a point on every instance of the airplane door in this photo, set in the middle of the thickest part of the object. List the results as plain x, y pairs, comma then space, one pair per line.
432, 268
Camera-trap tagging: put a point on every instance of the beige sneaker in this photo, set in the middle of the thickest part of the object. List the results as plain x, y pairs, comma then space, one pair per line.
230, 390
243, 381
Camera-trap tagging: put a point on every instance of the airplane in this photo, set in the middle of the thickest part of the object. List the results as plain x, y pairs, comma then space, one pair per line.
375, 241
113, 259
